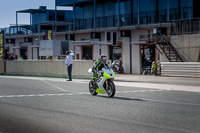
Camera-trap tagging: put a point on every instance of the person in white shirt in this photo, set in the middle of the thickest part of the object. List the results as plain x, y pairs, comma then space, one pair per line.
69, 62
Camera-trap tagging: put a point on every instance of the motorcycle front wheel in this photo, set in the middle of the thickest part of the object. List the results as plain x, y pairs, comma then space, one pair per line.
110, 88
92, 89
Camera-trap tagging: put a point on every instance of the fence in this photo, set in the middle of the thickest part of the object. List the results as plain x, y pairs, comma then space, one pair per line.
182, 69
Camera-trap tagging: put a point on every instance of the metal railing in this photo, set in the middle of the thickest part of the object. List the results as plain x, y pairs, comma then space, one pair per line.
186, 26
148, 36
107, 21
82, 24
168, 49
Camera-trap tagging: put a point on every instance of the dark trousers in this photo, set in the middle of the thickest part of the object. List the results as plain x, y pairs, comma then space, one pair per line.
70, 72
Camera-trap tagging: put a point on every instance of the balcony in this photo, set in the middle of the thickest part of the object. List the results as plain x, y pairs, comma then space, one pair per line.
32, 29
148, 37
17, 30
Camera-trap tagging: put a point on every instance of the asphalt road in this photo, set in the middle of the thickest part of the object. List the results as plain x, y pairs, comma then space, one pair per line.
46, 105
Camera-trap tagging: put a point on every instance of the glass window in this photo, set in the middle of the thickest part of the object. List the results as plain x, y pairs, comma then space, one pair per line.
173, 9
135, 12
125, 7
147, 5
162, 10
79, 12
38, 18
147, 11
186, 9
99, 10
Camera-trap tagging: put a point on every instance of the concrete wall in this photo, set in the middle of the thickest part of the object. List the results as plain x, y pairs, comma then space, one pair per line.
47, 68
60, 37
96, 52
136, 52
78, 37
126, 54
29, 51
136, 59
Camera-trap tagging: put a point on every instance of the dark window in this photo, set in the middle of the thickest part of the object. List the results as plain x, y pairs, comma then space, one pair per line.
87, 53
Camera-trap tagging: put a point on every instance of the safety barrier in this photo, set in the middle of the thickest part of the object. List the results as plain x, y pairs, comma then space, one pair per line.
180, 69
47, 68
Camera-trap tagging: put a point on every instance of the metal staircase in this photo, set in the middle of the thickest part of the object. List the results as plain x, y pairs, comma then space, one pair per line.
168, 49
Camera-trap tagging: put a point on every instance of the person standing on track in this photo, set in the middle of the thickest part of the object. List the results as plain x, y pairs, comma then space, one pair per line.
69, 62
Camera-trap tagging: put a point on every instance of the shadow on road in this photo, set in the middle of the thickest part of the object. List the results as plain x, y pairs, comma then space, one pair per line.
124, 98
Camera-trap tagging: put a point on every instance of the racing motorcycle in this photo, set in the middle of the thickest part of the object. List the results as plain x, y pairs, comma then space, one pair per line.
104, 82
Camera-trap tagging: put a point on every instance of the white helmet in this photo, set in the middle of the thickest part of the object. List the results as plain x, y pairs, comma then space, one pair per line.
103, 58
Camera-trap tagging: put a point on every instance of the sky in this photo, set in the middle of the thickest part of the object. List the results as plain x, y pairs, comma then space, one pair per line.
8, 10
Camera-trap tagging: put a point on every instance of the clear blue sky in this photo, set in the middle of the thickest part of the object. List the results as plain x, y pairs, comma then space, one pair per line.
8, 10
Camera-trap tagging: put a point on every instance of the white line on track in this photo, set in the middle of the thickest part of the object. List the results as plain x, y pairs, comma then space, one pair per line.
69, 94
54, 86
141, 91
36, 95
172, 102
131, 84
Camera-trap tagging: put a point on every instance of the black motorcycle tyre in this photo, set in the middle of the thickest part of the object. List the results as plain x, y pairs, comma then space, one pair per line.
112, 85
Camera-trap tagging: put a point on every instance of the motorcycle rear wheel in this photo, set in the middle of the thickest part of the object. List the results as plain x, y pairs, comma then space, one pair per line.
92, 89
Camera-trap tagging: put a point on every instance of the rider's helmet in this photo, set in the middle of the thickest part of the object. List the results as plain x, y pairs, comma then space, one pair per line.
103, 58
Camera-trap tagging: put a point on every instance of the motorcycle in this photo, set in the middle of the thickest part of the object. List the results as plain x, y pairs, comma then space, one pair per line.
117, 66
104, 82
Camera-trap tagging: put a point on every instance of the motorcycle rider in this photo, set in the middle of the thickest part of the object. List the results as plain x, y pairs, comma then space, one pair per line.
99, 65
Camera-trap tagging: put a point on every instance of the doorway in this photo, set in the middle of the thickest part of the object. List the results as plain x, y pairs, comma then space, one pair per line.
23, 53
147, 57
115, 52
